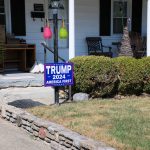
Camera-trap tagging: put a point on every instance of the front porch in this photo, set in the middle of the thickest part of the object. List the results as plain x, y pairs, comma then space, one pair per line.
83, 18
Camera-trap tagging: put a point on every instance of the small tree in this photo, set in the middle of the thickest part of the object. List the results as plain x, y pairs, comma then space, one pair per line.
125, 48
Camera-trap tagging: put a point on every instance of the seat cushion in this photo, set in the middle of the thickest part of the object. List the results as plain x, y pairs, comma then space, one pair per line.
107, 54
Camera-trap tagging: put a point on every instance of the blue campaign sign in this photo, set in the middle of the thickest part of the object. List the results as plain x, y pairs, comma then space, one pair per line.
58, 74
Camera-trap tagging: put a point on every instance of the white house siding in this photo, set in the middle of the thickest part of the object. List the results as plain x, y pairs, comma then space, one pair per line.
33, 28
86, 23
144, 18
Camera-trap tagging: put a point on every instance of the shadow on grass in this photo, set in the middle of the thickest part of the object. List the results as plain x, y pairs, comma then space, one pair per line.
25, 103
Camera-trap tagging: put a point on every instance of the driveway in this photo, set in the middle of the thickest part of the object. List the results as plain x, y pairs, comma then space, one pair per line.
13, 138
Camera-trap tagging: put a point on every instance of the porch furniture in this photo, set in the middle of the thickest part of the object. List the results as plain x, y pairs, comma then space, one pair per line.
2, 50
19, 56
2, 47
138, 44
117, 44
95, 47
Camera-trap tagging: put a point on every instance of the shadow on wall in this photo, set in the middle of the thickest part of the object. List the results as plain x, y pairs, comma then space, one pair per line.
25, 103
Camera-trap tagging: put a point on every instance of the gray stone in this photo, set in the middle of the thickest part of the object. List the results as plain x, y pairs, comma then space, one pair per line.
26, 123
80, 97
14, 116
36, 134
47, 140
54, 145
12, 120
8, 114
24, 127
50, 136
35, 128
29, 129
7, 117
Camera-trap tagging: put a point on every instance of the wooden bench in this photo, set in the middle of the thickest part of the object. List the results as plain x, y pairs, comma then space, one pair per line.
2, 51
19, 56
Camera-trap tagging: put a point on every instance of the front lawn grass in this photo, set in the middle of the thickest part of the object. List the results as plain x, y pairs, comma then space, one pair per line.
123, 124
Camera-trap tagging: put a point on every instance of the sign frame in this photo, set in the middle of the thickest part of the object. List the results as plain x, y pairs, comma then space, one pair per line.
69, 80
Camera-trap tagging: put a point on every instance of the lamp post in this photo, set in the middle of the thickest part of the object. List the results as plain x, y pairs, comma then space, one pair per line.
55, 5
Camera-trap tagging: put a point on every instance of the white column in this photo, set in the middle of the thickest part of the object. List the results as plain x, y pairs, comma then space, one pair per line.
148, 27
46, 8
71, 29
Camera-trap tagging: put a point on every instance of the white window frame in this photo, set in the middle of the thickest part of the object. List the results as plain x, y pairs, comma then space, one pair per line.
129, 14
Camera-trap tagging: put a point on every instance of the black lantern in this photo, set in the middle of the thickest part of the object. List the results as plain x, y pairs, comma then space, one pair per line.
55, 5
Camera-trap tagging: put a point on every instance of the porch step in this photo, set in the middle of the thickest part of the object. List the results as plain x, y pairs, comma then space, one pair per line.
21, 80
12, 61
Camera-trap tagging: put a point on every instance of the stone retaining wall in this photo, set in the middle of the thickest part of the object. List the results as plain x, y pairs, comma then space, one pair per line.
58, 137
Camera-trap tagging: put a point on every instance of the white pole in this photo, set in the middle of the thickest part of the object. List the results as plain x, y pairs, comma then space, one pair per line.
71, 29
148, 27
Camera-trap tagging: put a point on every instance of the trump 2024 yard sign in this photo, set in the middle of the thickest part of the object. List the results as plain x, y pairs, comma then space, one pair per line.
58, 74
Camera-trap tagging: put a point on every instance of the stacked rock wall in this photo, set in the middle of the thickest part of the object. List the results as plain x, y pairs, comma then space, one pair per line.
58, 137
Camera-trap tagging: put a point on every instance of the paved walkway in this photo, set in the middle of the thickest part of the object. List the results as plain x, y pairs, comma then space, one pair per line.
13, 138
27, 97
25, 90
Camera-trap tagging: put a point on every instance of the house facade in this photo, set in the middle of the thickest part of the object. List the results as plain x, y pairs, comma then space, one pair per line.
83, 18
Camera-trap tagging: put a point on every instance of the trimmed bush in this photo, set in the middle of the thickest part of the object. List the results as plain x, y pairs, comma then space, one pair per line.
95, 75
102, 76
145, 62
130, 75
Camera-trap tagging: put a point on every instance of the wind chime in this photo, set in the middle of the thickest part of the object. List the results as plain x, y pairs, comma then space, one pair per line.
63, 33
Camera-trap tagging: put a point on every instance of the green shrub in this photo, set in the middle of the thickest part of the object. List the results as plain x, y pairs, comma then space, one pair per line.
146, 74
102, 76
130, 75
95, 75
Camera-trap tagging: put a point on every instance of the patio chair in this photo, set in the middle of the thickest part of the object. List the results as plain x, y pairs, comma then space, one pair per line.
138, 44
95, 47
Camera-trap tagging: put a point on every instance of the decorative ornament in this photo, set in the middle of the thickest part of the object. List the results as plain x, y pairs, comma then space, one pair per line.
63, 33
47, 34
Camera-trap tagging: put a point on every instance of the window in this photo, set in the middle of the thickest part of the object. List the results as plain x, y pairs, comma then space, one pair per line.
119, 15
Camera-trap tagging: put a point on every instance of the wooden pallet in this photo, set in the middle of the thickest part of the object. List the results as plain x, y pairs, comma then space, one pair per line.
2, 33
2, 47
2, 51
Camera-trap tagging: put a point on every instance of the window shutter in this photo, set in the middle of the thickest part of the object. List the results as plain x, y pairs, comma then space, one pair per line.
2, 12
18, 17
105, 17
136, 15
